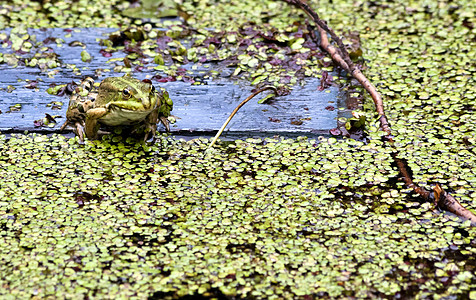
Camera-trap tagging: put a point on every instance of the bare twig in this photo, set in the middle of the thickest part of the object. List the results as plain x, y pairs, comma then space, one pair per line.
236, 110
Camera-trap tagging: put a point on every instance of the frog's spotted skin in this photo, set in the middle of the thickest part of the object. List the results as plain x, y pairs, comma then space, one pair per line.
81, 99
119, 101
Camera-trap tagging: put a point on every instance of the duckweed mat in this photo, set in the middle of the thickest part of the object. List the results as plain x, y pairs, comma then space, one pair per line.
273, 218
256, 218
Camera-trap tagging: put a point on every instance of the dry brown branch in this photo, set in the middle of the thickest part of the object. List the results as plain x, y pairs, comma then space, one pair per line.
342, 58
402, 167
442, 199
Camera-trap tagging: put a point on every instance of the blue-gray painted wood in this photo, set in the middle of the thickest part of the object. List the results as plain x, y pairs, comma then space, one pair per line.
199, 108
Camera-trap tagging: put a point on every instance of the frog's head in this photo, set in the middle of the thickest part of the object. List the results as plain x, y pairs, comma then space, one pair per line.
127, 93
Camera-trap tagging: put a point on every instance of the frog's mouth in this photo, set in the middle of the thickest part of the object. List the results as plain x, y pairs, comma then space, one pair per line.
121, 116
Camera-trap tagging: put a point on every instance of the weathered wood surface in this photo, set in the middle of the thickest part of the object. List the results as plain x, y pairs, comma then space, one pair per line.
201, 109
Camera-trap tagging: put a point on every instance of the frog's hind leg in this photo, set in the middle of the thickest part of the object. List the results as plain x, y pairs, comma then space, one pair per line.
66, 123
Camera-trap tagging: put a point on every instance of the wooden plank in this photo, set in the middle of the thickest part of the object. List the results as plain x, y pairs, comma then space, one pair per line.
200, 108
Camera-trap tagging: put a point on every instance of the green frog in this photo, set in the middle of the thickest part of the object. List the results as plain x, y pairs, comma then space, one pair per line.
118, 101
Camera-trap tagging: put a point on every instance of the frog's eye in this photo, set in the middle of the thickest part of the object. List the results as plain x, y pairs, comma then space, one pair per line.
126, 94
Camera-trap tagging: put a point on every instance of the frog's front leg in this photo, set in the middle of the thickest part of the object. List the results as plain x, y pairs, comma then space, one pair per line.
92, 125
151, 126
164, 120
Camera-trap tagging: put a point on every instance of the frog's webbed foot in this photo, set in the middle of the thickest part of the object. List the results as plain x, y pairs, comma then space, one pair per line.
151, 139
79, 131
150, 131
166, 122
